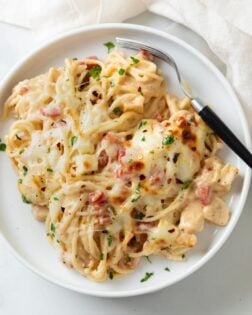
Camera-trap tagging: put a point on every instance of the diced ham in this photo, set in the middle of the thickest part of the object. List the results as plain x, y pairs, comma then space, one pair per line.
159, 117
51, 112
91, 66
23, 90
181, 122
146, 55
204, 193
103, 159
96, 197
100, 208
121, 153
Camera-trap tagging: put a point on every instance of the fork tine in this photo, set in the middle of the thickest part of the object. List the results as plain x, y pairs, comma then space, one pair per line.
133, 44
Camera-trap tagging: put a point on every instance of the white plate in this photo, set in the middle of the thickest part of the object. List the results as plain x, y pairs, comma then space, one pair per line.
26, 236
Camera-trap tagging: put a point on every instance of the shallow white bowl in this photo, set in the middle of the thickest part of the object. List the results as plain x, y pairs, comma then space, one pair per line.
26, 237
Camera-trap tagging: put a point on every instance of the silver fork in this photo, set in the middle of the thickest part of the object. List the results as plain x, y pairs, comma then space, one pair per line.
205, 112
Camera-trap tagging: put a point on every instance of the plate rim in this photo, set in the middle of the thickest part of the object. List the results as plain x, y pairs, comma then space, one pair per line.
245, 129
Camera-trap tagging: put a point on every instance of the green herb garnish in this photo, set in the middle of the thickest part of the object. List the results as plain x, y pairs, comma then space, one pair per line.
142, 124
52, 230
21, 151
152, 152
147, 276
135, 199
110, 46
143, 138
20, 181
95, 71
148, 259
117, 111
137, 190
167, 269
25, 200
168, 140
134, 60
49, 150
111, 274
139, 216
73, 140
101, 256
110, 239
121, 71
75, 58
56, 198
187, 184
128, 258
25, 170
49, 170
2, 147
112, 84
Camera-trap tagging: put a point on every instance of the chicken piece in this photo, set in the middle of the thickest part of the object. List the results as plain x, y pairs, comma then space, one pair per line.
192, 219
217, 212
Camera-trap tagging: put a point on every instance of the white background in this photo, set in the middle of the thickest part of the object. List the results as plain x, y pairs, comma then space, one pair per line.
223, 286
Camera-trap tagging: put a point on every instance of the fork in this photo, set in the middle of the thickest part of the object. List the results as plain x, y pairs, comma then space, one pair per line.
205, 112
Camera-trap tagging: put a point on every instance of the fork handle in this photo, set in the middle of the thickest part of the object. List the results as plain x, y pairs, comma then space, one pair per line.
219, 127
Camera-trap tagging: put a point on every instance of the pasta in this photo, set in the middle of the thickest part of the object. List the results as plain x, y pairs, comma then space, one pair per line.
116, 167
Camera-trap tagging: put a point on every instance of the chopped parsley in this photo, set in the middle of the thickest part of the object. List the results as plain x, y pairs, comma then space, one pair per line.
148, 259
167, 269
117, 111
49, 170
142, 124
75, 58
73, 140
95, 71
101, 256
20, 181
109, 45
187, 184
110, 239
2, 146
25, 200
135, 199
143, 138
56, 198
147, 276
111, 274
130, 161
128, 258
52, 230
49, 150
134, 60
112, 84
137, 190
139, 216
21, 151
168, 140
152, 152
25, 170
121, 71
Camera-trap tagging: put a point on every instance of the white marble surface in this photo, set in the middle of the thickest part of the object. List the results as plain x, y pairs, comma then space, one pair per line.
223, 286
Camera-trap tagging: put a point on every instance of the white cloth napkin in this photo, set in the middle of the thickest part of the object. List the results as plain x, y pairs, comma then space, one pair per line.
226, 25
